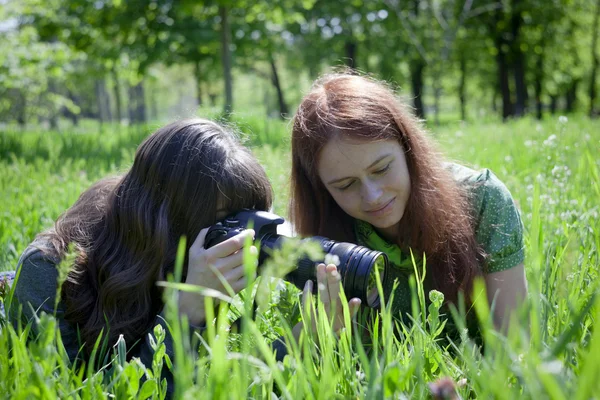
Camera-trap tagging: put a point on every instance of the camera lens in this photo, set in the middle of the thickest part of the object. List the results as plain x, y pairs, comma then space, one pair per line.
358, 267
378, 268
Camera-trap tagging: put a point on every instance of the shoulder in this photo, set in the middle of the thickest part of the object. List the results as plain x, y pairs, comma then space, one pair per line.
37, 257
36, 290
36, 277
464, 175
485, 190
496, 218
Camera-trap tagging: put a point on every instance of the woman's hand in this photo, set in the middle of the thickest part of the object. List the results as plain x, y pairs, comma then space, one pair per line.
328, 284
215, 268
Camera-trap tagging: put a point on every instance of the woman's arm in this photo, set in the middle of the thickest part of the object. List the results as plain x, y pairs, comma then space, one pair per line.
35, 292
506, 290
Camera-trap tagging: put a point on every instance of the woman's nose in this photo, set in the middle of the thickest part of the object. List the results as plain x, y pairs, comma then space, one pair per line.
371, 193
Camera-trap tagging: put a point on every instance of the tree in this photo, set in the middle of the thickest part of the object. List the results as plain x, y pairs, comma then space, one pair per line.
595, 59
32, 70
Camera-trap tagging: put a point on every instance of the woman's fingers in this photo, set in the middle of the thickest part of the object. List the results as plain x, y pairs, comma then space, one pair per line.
233, 271
239, 285
234, 274
221, 265
354, 306
333, 287
231, 245
322, 286
307, 293
199, 241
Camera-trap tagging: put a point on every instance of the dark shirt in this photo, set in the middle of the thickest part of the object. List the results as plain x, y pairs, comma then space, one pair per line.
35, 292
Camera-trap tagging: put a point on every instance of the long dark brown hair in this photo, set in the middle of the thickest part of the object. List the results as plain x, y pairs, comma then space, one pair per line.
437, 220
126, 230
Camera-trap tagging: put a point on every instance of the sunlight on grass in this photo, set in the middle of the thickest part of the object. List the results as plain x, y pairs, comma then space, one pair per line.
551, 168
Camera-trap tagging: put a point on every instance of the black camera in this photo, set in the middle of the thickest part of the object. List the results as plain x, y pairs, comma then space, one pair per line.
358, 265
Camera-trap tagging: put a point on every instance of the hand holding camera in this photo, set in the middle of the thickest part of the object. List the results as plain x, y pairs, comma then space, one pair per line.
358, 266
214, 268
328, 284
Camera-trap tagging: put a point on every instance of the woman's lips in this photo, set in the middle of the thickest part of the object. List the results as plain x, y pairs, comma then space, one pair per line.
382, 210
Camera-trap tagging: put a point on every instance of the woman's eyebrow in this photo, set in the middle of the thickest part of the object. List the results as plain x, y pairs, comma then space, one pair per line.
336, 180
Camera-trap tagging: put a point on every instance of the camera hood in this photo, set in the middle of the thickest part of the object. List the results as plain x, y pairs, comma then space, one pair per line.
262, 222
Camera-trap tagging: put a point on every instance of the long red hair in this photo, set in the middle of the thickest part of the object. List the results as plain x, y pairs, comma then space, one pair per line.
438, 219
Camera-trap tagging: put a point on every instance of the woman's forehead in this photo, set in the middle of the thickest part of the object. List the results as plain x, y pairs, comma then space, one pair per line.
340, 154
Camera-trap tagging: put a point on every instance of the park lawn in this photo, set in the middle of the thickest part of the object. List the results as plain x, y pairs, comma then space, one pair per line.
552, 169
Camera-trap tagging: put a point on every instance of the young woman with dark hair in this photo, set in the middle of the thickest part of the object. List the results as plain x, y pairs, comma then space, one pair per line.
125, 232
365, 171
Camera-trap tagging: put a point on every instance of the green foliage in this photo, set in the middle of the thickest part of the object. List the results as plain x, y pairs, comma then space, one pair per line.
31, 70
553, 173
57, 56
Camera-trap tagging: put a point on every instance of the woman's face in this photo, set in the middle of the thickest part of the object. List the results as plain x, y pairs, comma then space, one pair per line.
369, 180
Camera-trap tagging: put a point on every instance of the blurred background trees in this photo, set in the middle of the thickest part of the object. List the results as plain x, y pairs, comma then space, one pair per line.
139, 60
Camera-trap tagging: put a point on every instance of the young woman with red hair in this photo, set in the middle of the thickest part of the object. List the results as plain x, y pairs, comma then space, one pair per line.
365, 171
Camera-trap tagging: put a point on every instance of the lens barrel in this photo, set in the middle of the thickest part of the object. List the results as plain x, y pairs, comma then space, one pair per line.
357, 266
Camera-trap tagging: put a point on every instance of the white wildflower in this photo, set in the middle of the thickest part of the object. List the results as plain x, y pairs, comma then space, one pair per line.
556, 170
332, 259
551, 141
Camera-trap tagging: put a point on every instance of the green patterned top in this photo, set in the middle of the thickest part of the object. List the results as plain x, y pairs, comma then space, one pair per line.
498, 229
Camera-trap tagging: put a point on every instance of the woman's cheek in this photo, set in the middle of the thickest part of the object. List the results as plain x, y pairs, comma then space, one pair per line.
348, 205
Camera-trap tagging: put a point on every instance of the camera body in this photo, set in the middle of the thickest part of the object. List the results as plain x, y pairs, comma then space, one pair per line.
264, 225
358, 265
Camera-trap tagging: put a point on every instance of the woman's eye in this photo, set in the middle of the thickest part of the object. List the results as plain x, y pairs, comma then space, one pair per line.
346, 186
382, 170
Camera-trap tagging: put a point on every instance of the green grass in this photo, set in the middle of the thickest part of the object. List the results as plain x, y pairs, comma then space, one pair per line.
552, 169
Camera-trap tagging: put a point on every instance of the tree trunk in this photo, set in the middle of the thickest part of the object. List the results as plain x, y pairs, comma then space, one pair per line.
553, 103
226, 59
117, 94
100, 103
53, 118
538, 84
20, 104
462, 87
571, 96
137, 104
71, 115
416, 80
437, 93
520, 85
518, 58
198, 76
212, 98
140, 110
350, 48
595, 61
131, 104
283, 108
154, 106
504, 87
